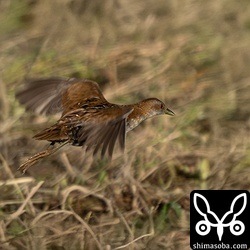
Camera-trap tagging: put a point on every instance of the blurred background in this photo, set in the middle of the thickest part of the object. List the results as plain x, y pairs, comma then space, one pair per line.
194, 55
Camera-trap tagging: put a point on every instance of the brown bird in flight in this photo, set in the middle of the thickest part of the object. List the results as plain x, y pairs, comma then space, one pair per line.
88, 119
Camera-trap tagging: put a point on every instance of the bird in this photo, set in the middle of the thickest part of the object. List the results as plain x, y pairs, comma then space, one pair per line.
87, 118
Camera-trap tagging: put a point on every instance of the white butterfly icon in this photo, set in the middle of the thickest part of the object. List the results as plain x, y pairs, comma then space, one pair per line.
203, 227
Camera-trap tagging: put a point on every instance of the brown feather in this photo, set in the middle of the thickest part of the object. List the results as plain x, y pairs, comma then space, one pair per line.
87, 119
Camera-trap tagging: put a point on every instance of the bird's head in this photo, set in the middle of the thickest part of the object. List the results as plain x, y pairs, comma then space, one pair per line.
153, 107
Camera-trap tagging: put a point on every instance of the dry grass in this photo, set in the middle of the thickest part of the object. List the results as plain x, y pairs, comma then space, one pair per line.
194, 55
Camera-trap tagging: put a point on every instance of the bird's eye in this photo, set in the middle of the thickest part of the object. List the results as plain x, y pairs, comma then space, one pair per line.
162, 106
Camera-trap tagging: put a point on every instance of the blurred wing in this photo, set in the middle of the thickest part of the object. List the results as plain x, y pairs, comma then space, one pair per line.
102, 129
53, 95
82, 94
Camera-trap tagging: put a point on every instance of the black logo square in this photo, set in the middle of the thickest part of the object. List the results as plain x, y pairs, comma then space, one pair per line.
219, 219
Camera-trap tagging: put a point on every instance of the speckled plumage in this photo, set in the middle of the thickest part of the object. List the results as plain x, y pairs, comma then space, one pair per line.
88, 119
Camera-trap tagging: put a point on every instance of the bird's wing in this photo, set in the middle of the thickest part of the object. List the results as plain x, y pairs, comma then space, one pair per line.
101, 128
53, 95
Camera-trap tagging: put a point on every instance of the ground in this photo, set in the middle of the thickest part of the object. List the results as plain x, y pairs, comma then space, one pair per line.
193, 55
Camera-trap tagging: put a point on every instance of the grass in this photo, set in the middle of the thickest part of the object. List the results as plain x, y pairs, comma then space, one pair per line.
192, 55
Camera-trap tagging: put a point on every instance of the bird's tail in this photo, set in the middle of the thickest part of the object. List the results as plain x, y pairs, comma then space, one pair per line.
53, 133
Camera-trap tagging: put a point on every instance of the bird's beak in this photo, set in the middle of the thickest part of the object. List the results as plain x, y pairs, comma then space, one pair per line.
169, 112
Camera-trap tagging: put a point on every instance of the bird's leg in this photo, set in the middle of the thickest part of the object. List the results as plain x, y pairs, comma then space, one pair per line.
52, 144
36, 157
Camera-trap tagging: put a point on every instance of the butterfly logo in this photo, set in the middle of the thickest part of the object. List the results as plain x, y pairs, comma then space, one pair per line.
203, 227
